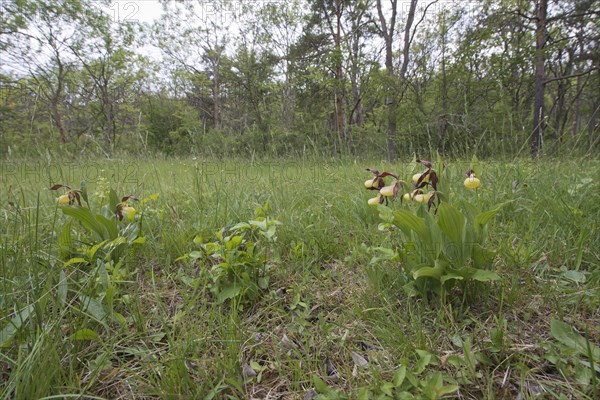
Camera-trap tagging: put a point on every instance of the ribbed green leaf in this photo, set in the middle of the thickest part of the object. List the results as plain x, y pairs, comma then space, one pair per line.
261, 224
196, 254
446, 389
481, 221
450, 276
109, 224
451, 222
94, 249
113, 200
482, 257
407, 222
64, 241
84, 215
430, 272
484, 217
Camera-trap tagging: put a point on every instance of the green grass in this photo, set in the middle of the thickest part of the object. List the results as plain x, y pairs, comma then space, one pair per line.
326, 300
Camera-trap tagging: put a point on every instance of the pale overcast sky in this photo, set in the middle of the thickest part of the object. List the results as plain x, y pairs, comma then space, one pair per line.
134, 10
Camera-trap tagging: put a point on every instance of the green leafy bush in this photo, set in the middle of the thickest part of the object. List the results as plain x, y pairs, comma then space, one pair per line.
237, 260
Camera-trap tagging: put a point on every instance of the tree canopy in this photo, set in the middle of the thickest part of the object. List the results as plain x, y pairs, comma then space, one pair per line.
331, 77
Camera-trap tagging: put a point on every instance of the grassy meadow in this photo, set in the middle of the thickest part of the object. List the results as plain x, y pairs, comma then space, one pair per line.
145, 307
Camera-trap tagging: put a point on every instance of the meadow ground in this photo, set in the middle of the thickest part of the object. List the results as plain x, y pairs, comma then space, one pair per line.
146, 308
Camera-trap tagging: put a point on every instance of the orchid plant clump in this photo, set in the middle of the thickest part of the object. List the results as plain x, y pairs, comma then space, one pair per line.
443, 245
96, 250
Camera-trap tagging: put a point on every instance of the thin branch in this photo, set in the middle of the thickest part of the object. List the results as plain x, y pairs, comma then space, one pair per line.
557, 78
571, 16
520, 14
421, 20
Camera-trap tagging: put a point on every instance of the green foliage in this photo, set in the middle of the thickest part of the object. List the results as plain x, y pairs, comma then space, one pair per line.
107, 237
445, 249
237, 262
574, 355
406, 383
75, 323
467, 88
103, 261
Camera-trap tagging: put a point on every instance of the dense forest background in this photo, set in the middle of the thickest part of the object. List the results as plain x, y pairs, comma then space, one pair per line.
379, 78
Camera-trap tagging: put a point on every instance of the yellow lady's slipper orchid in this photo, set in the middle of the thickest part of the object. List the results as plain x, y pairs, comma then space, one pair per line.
129, 212
369, 183
423, 198
416, 177
407, 197
64, 200
374, 201
387, 191
471, 182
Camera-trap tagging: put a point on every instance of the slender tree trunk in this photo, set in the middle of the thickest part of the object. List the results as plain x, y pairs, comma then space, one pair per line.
215, 93
58, 121
540, 76
358, 114
56, 100
339, 76
357, 111
289, 98
339, 106
561, 113
391, 96
592, 125
444, 121
390, 100
577, 125
108, 108
410, 19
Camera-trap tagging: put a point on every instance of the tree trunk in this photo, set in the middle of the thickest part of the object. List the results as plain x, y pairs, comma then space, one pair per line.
56, 100
407, 37
215, 93
592, 125
58, 121
540, 76
390, 101
577, 125
108, 107
561, 113
356, 115
289, 98
391, 97
444, 119
339, 76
